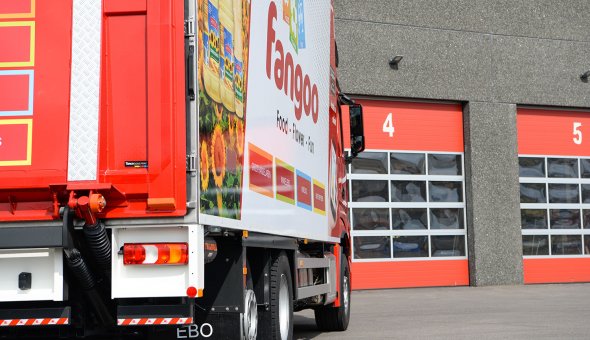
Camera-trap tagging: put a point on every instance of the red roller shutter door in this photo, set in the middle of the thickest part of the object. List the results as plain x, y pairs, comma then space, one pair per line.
554, 160
407, 198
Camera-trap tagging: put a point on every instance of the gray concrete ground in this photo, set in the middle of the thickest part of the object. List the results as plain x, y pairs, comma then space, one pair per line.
560, 311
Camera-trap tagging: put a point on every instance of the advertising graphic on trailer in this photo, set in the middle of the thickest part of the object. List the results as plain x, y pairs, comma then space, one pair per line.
264, 93
223, 62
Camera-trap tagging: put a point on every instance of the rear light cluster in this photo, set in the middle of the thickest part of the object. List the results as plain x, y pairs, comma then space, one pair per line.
155, 253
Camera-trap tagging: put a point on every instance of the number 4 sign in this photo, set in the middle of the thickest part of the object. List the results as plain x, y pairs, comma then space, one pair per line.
388, 125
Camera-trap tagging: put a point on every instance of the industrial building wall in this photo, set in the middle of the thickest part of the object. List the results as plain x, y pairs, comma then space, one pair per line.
493, 57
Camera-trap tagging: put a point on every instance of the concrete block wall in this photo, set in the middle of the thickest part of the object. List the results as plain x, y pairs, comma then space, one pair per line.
490, 55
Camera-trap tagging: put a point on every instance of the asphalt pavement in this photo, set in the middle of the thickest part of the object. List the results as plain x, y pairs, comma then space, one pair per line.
557, 311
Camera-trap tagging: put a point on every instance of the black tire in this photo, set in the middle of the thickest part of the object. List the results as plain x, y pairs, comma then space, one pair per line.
331, 318
280, 270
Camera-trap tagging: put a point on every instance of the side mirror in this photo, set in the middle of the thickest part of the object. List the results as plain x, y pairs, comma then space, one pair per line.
357, 134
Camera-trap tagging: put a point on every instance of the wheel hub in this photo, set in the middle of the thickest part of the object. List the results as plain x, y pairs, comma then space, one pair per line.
250, 316
346, 295
284, 307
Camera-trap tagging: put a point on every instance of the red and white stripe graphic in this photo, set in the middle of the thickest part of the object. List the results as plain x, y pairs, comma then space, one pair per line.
154, 321
34, 322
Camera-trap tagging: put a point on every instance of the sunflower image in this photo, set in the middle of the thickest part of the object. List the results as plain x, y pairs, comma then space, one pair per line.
240, 136
204, 166
218, 156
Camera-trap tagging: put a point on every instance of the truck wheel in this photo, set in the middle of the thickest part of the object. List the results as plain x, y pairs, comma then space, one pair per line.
281, 298
336, 318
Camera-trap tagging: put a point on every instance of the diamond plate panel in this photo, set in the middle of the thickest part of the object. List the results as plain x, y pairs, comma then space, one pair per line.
85, 86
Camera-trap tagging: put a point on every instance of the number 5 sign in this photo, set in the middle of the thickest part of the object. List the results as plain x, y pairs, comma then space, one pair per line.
548, 132
577, 133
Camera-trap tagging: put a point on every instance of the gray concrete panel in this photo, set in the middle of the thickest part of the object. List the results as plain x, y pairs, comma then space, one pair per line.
548, 19
436, 65
493, 194
462, 66
462, 15
541, 72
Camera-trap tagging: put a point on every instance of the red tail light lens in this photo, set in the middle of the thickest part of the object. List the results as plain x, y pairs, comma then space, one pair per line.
155, 253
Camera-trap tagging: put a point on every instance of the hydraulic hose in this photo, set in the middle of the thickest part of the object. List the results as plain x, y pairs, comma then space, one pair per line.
87, 282
79, 268
100, 245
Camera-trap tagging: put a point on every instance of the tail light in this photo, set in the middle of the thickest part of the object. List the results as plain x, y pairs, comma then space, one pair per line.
155, 253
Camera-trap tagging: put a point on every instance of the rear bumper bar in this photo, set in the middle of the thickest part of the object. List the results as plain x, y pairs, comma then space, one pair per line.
35, 317
147, 315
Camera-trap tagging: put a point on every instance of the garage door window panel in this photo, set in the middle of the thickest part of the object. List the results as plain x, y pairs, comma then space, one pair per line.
565, 218
370, 219
531, 167
407, 164
447, 218
370, 191
370, 163
409, 219
562, 167
533, 193
564, 193
372, 247
408, 191
566, 244
452, 245
410, 246
534, 245
533, 218
445, 191
445, 165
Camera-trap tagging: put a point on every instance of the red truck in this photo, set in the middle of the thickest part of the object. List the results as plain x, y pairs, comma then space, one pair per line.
172, 168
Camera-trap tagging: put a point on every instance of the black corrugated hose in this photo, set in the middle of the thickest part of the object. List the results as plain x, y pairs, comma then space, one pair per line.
100, 245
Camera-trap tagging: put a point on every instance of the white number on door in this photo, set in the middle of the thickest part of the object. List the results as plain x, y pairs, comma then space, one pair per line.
388, 125
577, 133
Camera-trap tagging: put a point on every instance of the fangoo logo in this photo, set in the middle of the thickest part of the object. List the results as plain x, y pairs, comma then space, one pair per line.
281, 65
